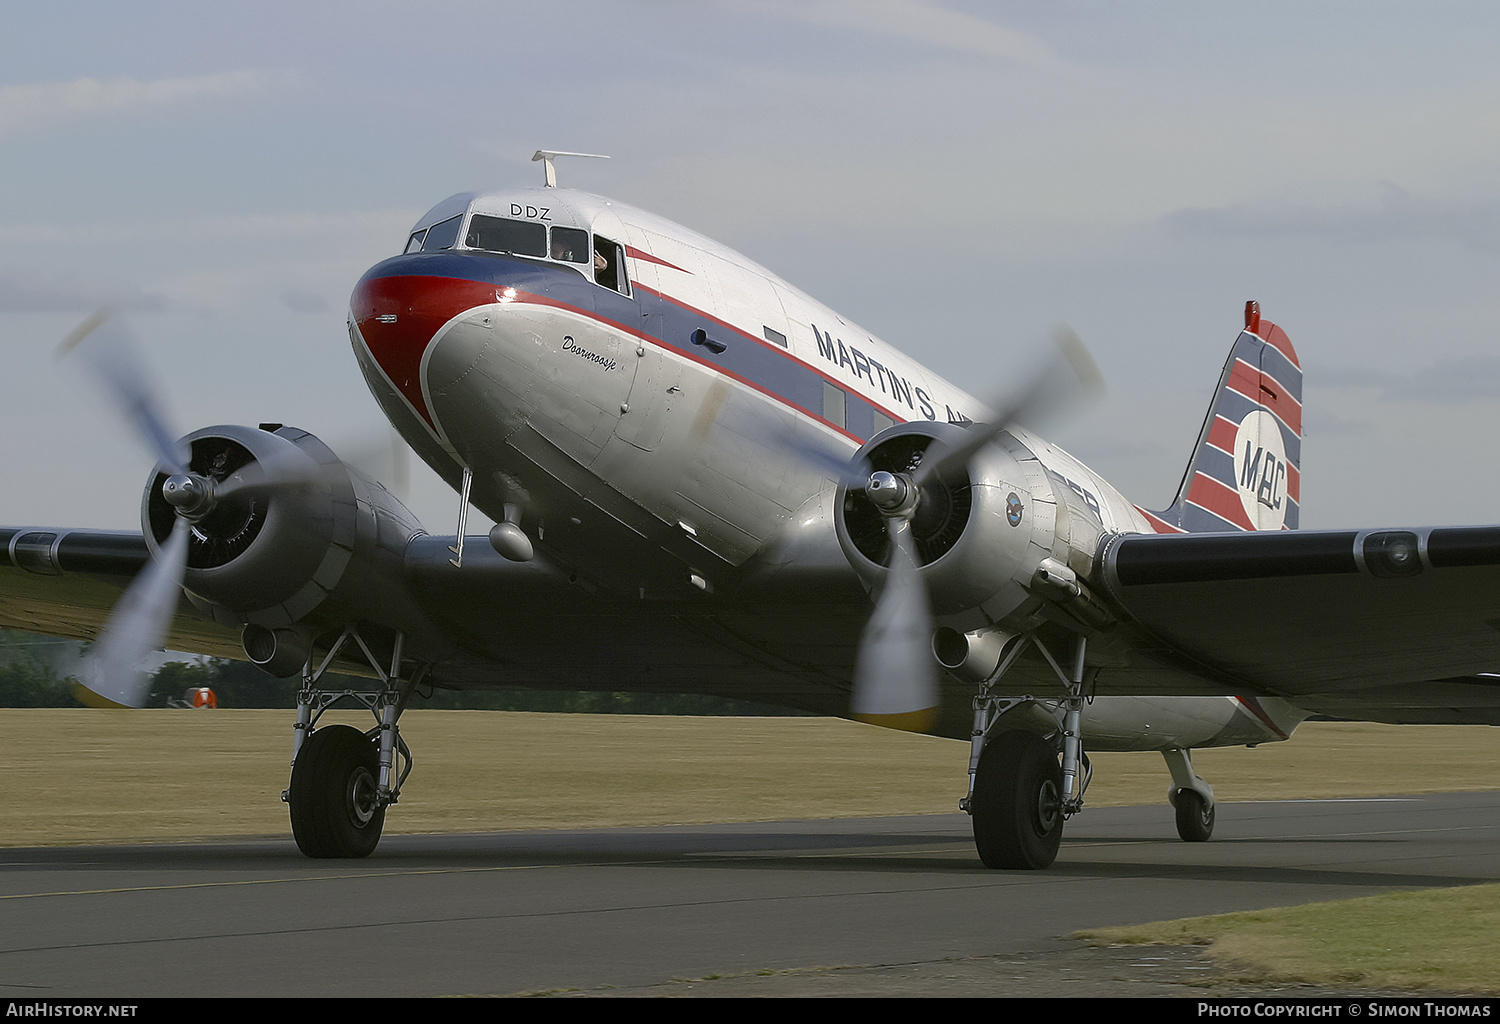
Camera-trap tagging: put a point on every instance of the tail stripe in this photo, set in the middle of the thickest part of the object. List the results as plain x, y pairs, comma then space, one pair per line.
1234, 406
1277, 339
1265, 390
1159, 524
1218, 500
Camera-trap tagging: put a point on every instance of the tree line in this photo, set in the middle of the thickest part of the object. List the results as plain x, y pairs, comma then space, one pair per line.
38, 672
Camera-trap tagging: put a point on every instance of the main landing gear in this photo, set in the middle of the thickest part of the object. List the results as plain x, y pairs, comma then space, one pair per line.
1019, 793
1023, 785
343, 779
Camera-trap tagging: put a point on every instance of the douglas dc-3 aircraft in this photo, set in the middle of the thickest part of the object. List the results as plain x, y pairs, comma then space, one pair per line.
700, 477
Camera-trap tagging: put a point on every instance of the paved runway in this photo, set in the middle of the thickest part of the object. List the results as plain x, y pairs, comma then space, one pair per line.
636, 911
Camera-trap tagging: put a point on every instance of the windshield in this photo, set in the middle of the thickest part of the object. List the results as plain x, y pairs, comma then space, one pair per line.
497, 234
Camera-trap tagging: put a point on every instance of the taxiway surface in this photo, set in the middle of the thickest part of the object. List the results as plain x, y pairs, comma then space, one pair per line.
655, 910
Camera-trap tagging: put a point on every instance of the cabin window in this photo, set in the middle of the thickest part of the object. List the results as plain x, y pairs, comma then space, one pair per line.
882, 421
833, 405
774, 337
609, 265
571, 245
497, 234
442, 235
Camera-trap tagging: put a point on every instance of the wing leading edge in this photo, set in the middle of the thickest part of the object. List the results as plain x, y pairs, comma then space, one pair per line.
1389, 625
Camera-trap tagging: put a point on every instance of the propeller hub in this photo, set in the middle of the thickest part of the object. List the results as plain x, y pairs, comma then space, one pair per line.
888, 492
192, 496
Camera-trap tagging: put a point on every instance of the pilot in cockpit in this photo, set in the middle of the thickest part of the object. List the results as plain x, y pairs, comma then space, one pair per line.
604, 270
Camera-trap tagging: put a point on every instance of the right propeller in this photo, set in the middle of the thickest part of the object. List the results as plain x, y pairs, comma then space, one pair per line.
895, 677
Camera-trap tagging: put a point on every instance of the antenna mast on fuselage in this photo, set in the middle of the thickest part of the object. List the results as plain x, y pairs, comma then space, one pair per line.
548, 155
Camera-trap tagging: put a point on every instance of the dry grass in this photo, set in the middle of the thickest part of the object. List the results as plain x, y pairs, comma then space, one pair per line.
1438, 940
79, 776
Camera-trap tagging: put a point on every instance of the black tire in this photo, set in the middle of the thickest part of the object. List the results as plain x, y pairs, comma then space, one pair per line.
1017, 805
1195, 816
333, 794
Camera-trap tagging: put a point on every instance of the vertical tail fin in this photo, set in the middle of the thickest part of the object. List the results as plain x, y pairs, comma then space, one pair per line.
1245, 473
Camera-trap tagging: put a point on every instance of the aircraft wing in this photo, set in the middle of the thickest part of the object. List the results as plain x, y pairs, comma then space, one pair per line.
1398, 626
786, 639
65, 582
1388, 625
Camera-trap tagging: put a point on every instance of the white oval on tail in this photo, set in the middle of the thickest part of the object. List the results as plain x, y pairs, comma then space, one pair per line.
1260, 470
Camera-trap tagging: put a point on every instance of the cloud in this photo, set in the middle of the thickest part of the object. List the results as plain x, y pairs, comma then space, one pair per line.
362, 227
1447, 380
41, 105
299, 300
1396, 215
34, 291
917, 21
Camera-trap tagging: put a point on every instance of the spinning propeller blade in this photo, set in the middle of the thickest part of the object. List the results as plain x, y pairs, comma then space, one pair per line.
109, 350
112, 672
1069, 374
895, 674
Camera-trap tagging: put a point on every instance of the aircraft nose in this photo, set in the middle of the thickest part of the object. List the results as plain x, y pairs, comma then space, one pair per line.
396, 316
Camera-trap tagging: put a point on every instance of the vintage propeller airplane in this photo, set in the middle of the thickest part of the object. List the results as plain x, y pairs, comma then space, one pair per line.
699, 476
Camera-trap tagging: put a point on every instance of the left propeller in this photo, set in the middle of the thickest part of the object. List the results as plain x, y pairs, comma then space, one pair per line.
110, 352
112, 675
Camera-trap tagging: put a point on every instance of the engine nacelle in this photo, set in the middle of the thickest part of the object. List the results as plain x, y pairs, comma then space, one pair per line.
996, 540
298, 542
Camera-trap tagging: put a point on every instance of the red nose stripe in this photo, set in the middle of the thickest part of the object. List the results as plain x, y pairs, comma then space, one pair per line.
397, 317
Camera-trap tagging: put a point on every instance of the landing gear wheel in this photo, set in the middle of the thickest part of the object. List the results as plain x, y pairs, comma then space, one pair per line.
1017, 804
1195, 816
333, 796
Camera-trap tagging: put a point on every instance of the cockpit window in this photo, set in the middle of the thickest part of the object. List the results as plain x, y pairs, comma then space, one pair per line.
609, 265
441, 235
520, 237
570, 245
414, 243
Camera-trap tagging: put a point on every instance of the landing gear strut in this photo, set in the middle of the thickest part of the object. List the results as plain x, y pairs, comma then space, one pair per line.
342, 779
1019, 794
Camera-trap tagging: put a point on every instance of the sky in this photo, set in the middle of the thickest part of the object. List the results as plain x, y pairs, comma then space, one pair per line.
959, 178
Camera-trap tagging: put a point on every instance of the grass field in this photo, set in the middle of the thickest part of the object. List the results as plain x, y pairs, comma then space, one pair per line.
81, 776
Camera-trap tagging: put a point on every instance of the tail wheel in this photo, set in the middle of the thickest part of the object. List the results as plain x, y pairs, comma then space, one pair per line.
1195, 816
1017, 803
334, 795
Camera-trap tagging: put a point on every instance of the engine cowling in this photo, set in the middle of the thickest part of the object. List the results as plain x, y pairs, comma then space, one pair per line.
299, 542
997, 540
